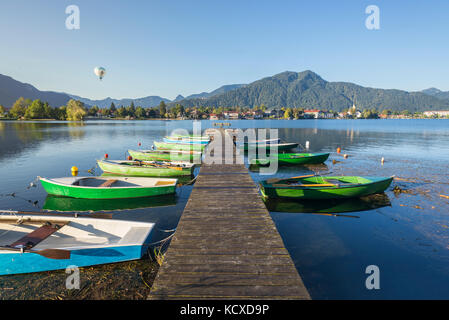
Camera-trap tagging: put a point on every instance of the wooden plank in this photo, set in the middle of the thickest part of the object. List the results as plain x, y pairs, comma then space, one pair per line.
33, 238
226, 245
107, 183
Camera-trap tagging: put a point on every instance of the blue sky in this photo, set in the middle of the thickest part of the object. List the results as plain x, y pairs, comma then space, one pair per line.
176, 47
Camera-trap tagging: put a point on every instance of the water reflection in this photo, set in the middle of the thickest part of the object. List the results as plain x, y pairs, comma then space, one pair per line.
329, 206
55, 203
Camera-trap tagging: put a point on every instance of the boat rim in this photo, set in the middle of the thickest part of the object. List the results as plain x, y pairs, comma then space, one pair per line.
92, 221
53, 181
181, 164
378, 179
193, 152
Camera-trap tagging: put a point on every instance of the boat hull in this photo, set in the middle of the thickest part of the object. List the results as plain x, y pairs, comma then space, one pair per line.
165, 156
179, 146
16, 263
185, 140
377, 185
293, 159
144, 171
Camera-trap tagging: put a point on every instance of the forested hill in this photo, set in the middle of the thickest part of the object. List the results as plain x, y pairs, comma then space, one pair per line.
308, 90
11, 90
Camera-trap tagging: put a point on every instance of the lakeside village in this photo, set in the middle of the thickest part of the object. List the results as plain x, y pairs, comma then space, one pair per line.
26, 109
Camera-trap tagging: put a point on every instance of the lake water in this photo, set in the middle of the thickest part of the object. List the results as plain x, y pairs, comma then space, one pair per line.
405, 234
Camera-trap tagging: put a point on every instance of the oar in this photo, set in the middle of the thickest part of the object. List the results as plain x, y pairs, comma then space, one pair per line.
47, 253
90, 215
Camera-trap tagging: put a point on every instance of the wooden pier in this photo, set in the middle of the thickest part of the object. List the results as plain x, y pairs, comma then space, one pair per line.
226, 245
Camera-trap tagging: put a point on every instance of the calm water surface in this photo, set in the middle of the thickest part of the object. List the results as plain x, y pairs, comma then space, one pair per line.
405, 234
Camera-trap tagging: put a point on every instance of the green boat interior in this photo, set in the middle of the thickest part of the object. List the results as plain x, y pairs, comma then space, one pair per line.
95, 182
151, 164
318, 181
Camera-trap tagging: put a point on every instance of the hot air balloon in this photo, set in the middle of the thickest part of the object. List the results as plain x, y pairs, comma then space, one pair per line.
100, 72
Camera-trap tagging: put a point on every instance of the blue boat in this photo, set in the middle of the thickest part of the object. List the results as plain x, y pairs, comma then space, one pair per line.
35, 243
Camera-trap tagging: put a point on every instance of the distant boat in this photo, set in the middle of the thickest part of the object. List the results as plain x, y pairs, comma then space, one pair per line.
318, 187
186, 140
191, 136
34, 243
166, 155
292, 159
137, 168
108, 187
179, 146
266, 141
269, 146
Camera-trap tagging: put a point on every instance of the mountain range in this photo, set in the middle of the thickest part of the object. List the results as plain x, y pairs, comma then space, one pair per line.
11, 90
308, 90
437, 93
287, 89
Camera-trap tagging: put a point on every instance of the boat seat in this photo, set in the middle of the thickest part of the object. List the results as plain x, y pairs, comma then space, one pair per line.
107, 183
36, 236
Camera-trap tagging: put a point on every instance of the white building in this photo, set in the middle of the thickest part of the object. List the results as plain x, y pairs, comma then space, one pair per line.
442, 113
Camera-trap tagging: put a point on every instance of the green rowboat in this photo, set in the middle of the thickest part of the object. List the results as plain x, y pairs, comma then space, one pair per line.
191, 136
179, 146
108, 188
166, 155
146, 168
292, 159
317, 187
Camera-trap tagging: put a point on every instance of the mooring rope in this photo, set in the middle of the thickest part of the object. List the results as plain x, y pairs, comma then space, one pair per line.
167, 230
160, 241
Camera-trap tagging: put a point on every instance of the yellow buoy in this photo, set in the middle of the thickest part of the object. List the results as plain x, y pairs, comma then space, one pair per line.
74, 171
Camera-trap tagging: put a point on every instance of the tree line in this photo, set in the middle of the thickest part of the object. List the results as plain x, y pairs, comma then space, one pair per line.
75, 111
36, 109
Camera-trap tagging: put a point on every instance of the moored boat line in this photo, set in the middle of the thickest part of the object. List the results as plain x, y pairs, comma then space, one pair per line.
173, 157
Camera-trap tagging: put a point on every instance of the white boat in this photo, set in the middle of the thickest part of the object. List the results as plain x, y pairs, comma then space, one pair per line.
34, 243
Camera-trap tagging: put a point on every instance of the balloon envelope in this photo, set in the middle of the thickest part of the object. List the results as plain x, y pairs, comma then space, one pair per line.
100, 72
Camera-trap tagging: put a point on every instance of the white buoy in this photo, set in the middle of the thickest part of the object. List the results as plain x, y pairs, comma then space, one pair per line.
382, 160
307, 144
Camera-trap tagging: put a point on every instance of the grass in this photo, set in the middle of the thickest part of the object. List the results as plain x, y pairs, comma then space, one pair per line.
126, 280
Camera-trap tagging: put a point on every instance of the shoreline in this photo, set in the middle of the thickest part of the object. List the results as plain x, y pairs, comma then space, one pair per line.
165, 119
